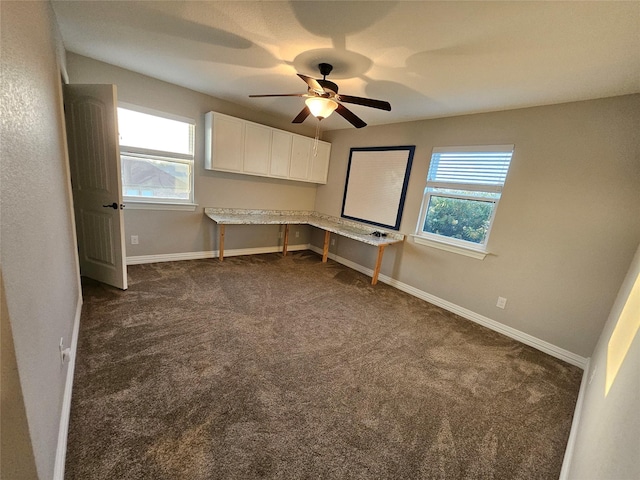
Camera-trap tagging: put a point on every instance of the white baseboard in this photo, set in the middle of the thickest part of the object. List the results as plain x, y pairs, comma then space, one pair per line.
174, 257
525, 338
63, 429
575, 423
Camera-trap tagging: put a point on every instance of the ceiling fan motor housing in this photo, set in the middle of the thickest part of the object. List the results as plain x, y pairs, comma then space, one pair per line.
327, 85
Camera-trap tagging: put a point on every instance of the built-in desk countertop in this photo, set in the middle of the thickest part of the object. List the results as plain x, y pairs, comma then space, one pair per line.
346, 228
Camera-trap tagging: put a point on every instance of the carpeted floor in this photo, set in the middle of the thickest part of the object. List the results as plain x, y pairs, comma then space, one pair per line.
288, 368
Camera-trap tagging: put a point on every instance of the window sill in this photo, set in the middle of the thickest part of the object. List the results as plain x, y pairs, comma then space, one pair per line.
136, 205
461, 250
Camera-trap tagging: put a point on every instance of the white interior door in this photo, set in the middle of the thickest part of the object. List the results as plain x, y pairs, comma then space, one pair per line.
94, 156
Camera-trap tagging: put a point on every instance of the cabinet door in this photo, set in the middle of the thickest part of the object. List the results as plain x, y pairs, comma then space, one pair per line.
300, 158
227, 143
320, 163
257, 149
280, 153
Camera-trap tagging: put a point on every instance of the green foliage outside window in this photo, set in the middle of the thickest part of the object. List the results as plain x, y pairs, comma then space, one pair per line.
459, 218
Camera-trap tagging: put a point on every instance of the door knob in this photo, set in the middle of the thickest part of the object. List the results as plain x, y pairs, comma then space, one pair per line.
113, 205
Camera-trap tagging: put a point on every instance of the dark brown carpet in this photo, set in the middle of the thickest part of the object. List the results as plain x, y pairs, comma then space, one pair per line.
288, 368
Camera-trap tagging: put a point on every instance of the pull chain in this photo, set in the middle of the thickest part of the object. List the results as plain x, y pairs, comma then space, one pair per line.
315, 141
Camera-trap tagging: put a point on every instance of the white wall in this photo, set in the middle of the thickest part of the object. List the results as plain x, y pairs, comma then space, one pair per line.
565, 230
608, 434
38, 250
166, 232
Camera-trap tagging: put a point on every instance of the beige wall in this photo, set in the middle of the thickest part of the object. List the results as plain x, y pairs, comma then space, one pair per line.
566, 227
38, 253
166, 232
552, 217
608, 434
16, 453
560, 246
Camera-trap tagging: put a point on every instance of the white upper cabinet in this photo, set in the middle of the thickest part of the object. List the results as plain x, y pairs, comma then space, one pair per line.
280, 154
300, 158
236, 145
257, 149
224, 148
320, 163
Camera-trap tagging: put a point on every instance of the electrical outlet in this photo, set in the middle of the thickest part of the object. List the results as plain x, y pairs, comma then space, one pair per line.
333, 241
65, 353
134, 239
502, 302
297, 234
280, 235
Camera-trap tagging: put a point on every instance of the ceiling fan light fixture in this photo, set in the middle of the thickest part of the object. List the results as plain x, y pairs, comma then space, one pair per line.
320, 101
321, 107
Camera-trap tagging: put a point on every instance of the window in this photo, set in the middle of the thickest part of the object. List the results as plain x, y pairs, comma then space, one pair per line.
156, 154
464, 185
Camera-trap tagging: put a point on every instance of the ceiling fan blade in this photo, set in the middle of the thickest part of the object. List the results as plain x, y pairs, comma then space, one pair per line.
302, 115
367, 102
281, 95
313, 83
351, 117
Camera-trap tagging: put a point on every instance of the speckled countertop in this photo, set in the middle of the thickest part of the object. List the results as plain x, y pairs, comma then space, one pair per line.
346, 228
236, 216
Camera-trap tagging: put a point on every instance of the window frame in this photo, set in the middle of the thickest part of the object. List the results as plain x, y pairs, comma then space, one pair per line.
456, 245
158, 203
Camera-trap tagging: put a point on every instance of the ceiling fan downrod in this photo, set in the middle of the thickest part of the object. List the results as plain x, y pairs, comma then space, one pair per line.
325, 69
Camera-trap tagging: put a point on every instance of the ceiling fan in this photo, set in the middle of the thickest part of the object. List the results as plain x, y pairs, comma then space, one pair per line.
322, 99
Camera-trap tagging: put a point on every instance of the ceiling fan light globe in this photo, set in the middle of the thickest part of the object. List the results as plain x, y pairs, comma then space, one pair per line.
321, 107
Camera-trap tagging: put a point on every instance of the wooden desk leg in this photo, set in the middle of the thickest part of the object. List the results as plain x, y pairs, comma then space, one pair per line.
325, 249
376, 272
285, 242
221, 250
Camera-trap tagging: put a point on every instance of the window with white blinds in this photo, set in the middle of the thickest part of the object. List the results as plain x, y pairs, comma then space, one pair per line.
157, 157
464, 185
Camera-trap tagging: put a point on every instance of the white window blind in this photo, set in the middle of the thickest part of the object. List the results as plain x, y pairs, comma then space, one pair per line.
157, 157
470, 168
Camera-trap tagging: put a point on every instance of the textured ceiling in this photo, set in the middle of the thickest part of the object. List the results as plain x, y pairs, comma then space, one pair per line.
428, 59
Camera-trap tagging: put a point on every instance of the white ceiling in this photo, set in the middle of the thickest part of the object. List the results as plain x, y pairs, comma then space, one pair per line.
428, 59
